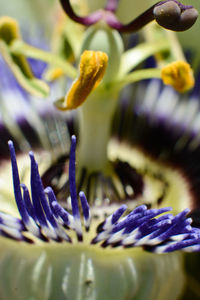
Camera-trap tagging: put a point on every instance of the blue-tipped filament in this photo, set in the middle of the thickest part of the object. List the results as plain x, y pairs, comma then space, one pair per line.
45, 219
72, 188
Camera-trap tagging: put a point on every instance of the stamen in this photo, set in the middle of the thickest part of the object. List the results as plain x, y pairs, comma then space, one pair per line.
179, 75
92, 69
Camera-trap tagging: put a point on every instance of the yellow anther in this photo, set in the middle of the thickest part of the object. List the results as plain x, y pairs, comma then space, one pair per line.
92, 69
179, 75
9, 29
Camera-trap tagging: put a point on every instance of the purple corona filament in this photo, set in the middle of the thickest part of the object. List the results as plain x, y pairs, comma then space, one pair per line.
29, 223
44, 214
61, 215
86, 210
12, 227
27, 202
72, 187
16, 184
44, 218
141, 228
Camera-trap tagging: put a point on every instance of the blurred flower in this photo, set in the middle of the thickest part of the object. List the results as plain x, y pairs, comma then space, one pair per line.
33, 12
136, 158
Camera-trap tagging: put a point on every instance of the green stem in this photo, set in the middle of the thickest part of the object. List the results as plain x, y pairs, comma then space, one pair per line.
137, 76
133, 57
19, 47
175, 46
95, 120
33, 85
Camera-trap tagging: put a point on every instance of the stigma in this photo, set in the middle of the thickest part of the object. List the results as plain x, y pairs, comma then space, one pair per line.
92, 69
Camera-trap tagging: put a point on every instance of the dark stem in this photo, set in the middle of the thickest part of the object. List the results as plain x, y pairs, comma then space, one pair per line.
134, 25
169, 14
89, 20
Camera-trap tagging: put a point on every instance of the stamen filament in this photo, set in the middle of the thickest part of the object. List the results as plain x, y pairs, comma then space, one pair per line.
133, 57
19, 47
139, 75
33, 85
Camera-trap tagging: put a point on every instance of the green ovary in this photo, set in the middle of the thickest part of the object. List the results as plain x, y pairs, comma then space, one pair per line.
95, 119
83, 272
